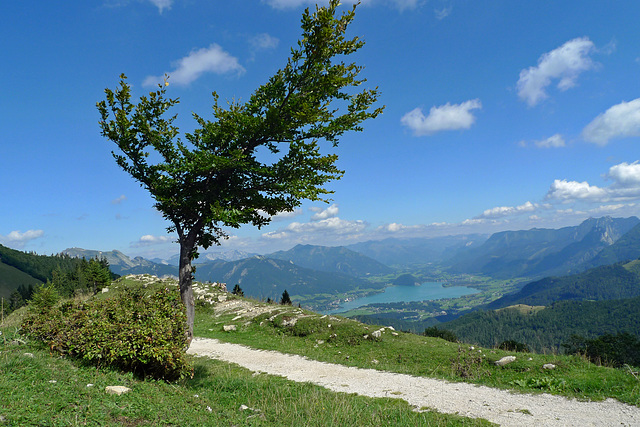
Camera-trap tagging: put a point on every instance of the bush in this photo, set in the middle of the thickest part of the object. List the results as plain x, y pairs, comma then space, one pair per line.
144, 334
44, 298
511, 345
611, 350
440, 333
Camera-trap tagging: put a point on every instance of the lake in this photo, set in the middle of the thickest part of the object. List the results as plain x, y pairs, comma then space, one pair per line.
424, 292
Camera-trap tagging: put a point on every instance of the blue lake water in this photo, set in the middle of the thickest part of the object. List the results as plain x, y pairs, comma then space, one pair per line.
424, 292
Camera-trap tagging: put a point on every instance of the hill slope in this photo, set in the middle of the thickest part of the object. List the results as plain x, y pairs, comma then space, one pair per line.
122, 265
332, 259
548, 328
263, 277
406, 252
607, 282
542, 252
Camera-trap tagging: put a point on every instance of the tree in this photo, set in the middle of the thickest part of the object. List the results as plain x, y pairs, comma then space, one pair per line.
285, 300
253, 160
237, 290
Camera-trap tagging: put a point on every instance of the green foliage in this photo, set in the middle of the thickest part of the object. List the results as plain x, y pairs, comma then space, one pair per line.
548, 328
285, 299
469, 364
219, 177
610, 350
554, 385
512, 345
433, 331
600, 283
133, 331
44, 299
237, 290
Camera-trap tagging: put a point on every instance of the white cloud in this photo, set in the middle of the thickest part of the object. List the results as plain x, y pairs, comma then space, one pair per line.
282, 216
620, 121
554, 141
162, 4
442, 13
263, 41
205, 60
625, 186
119, 200
564, 190
625, 175
150, 240
444, 117
330, 212
18, 239
502, 211
564, 64
319, 231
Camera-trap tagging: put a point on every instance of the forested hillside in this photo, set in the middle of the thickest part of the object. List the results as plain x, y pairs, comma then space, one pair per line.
21, 272
607, 282
546, 329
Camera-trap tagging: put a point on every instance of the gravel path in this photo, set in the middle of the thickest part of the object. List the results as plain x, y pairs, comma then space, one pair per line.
497, 406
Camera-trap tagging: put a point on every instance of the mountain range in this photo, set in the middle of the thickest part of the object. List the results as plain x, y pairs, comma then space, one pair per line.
545, 252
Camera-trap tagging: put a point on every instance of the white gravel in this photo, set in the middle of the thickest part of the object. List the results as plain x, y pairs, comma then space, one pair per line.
498, 406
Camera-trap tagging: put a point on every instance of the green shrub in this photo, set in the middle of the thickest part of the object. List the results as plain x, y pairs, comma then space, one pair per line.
44, 298
511, 345
440, 333
610, 350
144, 334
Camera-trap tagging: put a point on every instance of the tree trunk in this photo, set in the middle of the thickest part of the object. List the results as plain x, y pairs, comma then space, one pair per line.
185, 274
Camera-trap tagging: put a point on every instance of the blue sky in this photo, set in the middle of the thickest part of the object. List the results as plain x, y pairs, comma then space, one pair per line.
499, 115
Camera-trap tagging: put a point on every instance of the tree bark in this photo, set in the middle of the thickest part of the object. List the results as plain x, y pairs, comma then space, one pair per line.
185, 279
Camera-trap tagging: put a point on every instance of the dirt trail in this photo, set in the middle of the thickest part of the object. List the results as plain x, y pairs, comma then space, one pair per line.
498, 406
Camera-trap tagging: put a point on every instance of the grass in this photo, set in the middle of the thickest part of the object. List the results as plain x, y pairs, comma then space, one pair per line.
339, 340
45, 390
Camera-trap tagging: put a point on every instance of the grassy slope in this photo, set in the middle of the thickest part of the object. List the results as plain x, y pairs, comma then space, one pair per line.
29, 398
11, 278
46, 390
422, 356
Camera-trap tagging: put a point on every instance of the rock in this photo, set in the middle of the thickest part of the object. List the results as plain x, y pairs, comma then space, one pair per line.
376, 334
375, 361
105, 290
228, 328
289, 322
391, 328
505, 360
117, 389
29, 354
222, 298
548, 366
320, 341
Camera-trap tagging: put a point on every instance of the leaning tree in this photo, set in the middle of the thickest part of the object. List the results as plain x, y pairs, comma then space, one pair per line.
219, 175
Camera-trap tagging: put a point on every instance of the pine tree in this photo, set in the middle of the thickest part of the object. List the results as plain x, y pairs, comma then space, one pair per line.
285, 300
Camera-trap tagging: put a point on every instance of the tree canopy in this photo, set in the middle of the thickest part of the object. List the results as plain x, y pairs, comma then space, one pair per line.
218, 175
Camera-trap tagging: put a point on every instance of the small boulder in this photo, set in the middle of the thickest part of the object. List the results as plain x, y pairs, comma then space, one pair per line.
548, 366
376, 334
505, 360
117, 389
228, 328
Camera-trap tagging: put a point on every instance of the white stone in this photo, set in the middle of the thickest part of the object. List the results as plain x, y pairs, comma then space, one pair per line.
376, 334
505, 360
548, 366
117, 389
228, 328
